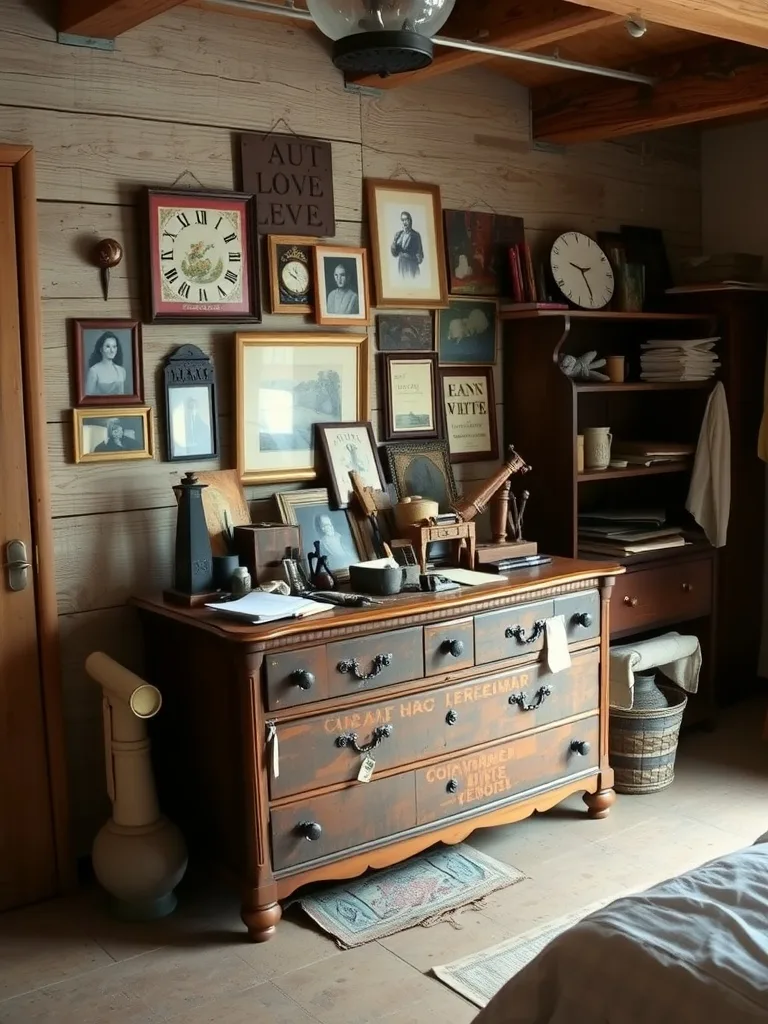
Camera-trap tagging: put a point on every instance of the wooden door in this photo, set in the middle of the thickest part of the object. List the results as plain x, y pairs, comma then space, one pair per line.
27, 847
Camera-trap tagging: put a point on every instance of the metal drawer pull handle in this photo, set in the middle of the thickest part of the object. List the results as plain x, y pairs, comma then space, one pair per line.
631, 601
349, 739
352, 666
582, 619
452, 786
453, 647
303, 678
687, 587
580, 747
518, 632
521, 699
311, 830
452, 717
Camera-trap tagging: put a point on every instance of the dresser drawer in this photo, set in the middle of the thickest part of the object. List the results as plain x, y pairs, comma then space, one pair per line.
581, 613
296, 677
670, 593
325, 749
380, 659
506, 770
511, 631
449, 646
339, 821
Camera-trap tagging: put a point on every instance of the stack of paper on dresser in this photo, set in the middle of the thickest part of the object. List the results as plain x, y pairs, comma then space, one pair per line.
694, 359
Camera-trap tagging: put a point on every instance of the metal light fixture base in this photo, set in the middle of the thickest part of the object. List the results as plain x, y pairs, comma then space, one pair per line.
382, 53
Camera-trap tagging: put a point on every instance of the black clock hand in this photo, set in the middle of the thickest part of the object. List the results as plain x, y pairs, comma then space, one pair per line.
586, 282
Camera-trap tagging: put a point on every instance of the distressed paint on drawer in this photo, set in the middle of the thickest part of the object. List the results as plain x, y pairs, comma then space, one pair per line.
285, 671
405, 646
448, 718
573, 607
491, 643
504, 771
437, 640
350, 817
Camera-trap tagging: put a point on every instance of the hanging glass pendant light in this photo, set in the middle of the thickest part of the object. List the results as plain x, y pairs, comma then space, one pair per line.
384, 37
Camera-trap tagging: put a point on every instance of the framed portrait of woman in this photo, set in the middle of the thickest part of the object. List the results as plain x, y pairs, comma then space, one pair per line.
113, 434
406, 224
106, 362
337, 532
341, 286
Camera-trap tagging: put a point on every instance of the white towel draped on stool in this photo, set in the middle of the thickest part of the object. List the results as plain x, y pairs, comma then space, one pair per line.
678, 657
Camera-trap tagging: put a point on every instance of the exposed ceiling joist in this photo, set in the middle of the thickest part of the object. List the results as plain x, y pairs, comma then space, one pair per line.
106, 19
743, 21
722, 80
510, 25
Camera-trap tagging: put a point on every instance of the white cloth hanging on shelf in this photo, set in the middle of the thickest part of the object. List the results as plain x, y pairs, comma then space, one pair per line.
709, 496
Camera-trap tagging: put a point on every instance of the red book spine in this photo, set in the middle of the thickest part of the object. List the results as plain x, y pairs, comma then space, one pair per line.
530, 278
517, 277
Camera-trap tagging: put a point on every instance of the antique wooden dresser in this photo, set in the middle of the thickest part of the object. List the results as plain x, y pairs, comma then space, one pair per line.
264, 730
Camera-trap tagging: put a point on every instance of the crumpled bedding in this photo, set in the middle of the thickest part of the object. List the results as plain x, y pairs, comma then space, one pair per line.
691, 950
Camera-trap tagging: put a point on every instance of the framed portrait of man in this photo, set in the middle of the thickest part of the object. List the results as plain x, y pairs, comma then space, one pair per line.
406, 225
341, 286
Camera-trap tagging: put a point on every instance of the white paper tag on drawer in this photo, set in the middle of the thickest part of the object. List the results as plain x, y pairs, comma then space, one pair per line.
366, 770
558, 655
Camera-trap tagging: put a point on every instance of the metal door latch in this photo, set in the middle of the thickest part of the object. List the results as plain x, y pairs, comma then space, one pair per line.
17, 565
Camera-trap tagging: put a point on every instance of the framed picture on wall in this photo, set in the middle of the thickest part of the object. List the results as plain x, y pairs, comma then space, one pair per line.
410, 407
469, 406
406, 224
349, 447
397, 332
190, 405
115, 434
291, 273
341, 286
466, 331
106, 362
423, 468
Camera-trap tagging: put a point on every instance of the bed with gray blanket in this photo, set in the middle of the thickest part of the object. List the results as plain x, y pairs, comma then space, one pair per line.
692, 950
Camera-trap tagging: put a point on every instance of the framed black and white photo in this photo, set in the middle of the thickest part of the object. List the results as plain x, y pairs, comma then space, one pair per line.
341, 286
398, 332
106, 362
466, 331
469, 405
349, 447
422, 468
190, 405
410, 407
113, 434
339, 534
285, 384
406, 225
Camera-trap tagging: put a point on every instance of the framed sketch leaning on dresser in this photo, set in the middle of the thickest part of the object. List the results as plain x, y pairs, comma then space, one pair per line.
338, 532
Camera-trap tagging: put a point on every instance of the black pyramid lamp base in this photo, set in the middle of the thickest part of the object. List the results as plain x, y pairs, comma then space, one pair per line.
193, 566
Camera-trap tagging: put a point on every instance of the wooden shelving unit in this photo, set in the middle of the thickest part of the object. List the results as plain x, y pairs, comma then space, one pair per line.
640, 385
661, 468
599, 315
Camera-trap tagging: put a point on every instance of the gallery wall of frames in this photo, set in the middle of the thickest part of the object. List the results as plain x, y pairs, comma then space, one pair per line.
166, 119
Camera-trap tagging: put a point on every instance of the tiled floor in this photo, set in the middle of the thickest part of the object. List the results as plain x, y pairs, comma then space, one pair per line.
66, 962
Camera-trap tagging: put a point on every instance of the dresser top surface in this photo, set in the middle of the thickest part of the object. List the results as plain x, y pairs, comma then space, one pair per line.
392, 611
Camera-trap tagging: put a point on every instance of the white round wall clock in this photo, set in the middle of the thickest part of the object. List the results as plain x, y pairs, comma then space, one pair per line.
581, 270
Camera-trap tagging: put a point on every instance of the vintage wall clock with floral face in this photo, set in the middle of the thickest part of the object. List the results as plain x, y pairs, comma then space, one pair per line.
203, 263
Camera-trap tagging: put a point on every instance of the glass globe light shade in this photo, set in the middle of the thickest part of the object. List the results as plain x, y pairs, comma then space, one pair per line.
340, 18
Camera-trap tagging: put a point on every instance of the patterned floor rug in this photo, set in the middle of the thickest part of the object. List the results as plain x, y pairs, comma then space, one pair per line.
479, 976
421, 890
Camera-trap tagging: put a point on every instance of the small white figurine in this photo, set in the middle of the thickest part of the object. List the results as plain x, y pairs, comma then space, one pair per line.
583, 367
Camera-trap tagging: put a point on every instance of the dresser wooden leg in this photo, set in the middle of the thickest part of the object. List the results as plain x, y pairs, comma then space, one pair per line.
599, 803
261, 921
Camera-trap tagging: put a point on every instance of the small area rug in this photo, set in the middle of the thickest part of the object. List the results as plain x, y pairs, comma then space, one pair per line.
479, 976
420, 891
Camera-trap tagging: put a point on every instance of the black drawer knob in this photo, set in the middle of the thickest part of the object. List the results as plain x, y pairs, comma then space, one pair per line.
582, 619
580, 747
303, 678
452, 786
311, 830
452, 718
453, 647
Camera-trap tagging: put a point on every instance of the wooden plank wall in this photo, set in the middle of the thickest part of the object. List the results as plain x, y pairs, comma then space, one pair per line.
170, 99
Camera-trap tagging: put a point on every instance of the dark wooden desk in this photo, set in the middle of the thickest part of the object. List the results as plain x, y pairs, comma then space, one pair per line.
451, 691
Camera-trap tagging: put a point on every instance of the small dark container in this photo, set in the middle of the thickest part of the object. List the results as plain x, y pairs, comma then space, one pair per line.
223, 567
381, 582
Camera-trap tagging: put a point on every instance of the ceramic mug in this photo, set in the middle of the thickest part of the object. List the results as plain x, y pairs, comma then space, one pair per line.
579, 453
597, 447
614, 367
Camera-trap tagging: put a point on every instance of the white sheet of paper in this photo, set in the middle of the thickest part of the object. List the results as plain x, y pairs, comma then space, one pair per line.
468, 577
557, 653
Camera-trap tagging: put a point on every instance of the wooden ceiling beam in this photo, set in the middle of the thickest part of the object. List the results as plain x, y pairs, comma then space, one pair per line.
106, 19
722, 80
508, 24
743, 21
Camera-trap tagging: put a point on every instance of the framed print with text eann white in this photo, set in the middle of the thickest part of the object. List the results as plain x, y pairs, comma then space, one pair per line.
203, 257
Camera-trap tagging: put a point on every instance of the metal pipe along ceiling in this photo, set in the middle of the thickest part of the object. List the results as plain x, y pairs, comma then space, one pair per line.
286, 11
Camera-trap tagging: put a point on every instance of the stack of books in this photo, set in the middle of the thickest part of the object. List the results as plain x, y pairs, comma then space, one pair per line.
651, 453
625, 532
694, 359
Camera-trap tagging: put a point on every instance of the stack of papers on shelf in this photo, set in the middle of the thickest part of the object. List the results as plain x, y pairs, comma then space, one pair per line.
625, 533
694, 359
651, 453
259, 607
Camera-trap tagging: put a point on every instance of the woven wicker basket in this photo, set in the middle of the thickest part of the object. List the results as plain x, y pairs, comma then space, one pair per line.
643, 743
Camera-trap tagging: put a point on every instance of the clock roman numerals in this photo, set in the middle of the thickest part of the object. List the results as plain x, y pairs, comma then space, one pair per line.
221, 291
231, 277
201, 216
201, 257
184, 290
235, 257
167, 234
167, 255
230, 238
171, 275
202, 294
183, 219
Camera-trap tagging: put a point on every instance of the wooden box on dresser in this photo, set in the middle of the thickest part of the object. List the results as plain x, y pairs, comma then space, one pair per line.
263, 729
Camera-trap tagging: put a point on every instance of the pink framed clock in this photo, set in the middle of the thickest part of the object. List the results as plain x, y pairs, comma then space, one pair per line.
203, 257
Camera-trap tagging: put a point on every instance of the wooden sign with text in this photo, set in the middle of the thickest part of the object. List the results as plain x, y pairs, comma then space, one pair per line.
293, 179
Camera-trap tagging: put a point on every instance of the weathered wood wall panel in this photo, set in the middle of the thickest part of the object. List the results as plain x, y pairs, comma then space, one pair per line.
170, 99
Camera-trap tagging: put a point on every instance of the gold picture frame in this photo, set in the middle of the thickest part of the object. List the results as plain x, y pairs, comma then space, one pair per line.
345, 294
284, 384
113, 436
294, 508
279, 253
